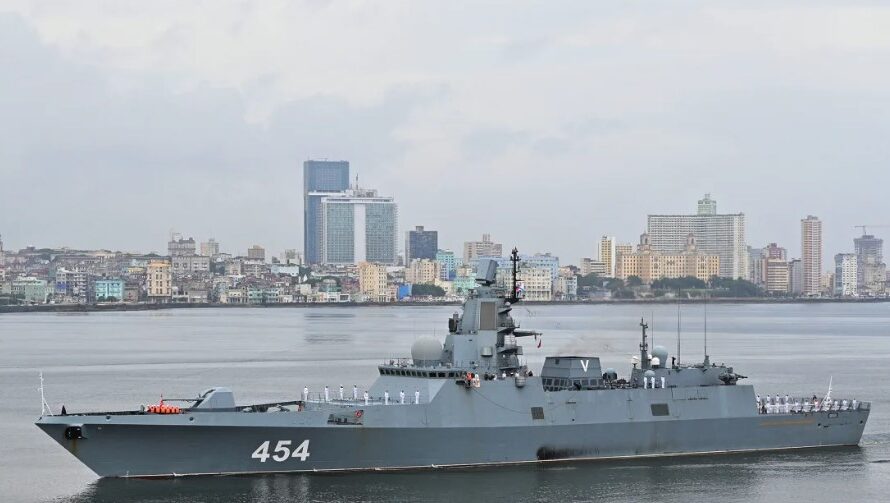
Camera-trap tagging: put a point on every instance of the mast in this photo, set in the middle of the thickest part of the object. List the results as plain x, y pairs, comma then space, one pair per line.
514, 293
707, 358
678, 327
644, 348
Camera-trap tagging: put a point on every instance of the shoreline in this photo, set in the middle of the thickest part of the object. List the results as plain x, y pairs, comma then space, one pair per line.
88, 308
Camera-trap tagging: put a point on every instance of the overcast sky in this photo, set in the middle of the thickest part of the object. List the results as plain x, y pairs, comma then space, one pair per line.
545, 124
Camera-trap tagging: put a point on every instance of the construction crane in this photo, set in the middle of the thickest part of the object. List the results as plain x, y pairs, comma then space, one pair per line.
863, 227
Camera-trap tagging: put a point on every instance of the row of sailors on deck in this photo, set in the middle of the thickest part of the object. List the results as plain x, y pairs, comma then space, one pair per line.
785, 405
366, 397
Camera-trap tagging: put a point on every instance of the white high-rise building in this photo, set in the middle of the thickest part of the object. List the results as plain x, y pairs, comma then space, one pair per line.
811, 255
715, 234
845, 274
358, 226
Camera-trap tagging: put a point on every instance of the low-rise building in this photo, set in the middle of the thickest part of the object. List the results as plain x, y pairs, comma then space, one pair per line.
423, 271
592, 266
26, 290
777, 277
566, 287
109, 290
650, 265
190, 264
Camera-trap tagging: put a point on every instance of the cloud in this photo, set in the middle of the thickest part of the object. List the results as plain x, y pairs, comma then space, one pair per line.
544, 126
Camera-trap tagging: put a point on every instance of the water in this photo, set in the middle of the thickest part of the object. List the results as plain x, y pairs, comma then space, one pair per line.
108, 361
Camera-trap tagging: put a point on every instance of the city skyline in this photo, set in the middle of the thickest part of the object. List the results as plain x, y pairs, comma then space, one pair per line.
595, 251
119, 136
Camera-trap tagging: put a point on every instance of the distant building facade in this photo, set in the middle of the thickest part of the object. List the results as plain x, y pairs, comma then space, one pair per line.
716, 234
358, 225
179, 246
256, 252
795, 276
650, 265
372, 280
870, 269
109, 289
159, 281
210, 248
447, 264
319, 177
423, 271
607, 252
592, 266
845, 274
811, 255
421, 244
189, 264
485, 248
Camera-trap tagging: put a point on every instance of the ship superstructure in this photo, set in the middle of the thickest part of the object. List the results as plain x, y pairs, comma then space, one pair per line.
468, 401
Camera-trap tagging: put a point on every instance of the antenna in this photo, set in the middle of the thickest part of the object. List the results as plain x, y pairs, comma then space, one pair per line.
707, 359
678, 327
44, 407
514, 258
644, 348
652, 321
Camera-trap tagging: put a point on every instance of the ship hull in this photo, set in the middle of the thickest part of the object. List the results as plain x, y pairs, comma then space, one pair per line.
157, 446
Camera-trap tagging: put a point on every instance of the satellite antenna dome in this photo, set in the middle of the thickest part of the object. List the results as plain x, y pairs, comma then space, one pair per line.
426, 351
649, 373
656, 362
661, 353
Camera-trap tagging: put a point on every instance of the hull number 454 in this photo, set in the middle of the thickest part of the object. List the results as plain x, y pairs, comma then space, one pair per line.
282, 451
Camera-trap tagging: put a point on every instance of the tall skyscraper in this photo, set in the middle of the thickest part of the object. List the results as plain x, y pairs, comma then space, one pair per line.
775, 274
319, 177
811, 255
607, 254
357, 225
845, 277
870, 268
421, 243
715, 234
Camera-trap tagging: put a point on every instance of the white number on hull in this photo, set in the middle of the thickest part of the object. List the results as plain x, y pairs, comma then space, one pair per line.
282, 451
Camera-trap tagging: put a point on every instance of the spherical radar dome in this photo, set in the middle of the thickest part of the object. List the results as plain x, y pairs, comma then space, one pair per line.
426, 350
661, 353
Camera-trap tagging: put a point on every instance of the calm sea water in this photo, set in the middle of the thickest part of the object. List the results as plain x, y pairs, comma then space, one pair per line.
108, 361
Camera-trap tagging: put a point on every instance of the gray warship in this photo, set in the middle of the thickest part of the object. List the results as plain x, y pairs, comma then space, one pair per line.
470, 401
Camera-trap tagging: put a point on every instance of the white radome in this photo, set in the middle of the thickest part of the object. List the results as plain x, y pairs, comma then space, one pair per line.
426, 349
